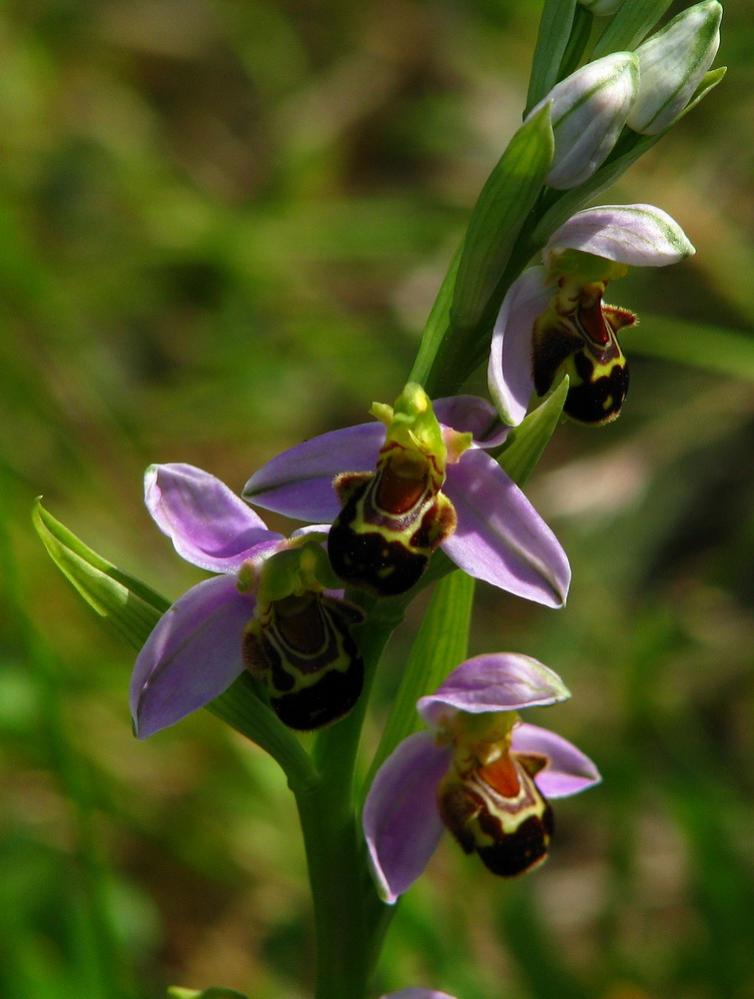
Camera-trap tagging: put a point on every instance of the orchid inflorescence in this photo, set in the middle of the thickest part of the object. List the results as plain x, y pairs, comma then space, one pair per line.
397, 503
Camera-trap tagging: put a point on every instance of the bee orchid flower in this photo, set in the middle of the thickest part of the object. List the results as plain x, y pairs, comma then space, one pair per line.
553, 320
479, 771
271, 608
400, 487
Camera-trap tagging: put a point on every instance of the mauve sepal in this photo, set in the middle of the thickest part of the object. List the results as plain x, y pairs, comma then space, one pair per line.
500, 538
402, 826
503, 681
567, 771
208, 524
192, 655
510, 370
637, 235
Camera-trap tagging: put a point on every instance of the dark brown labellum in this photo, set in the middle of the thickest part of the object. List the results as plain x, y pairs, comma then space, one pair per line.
583, 344
388, 528
499, 813
303, 650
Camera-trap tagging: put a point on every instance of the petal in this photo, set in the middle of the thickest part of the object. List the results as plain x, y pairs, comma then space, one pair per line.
402, 826
472, 414
298, 482
509, 374
640, 235
568, 770
208, 524
192, 655
500, 537
417, 994
505, 681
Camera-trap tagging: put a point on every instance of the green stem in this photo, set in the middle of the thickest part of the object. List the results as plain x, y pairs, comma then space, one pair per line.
338, 874
334, 862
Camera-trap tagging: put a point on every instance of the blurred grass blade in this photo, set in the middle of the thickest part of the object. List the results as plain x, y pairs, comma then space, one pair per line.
552, 42
440, 646
133, 609
533, 948
437, 324
505, 200
710, 347
632, 22
130, 606
176, 992
525, 444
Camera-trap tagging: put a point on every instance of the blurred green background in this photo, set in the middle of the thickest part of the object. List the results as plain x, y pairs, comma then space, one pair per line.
222, 225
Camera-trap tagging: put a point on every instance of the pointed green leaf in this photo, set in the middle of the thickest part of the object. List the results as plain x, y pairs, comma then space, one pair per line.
440, 646
552, 42
130, 606
709, 81
437, 325
525, 444
633, 20
505, 200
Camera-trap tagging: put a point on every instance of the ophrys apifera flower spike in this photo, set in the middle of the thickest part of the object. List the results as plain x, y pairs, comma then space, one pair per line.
554, 321
498, 537
394, 518
480, 772
276, 589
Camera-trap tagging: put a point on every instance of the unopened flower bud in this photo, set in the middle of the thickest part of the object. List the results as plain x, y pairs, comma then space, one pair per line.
672, 64
589, 109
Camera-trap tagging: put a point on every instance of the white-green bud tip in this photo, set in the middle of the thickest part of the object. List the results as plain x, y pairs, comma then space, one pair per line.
672, 64
589, 109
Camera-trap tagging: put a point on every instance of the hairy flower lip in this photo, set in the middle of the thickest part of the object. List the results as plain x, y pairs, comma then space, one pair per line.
499, 537
402, 825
